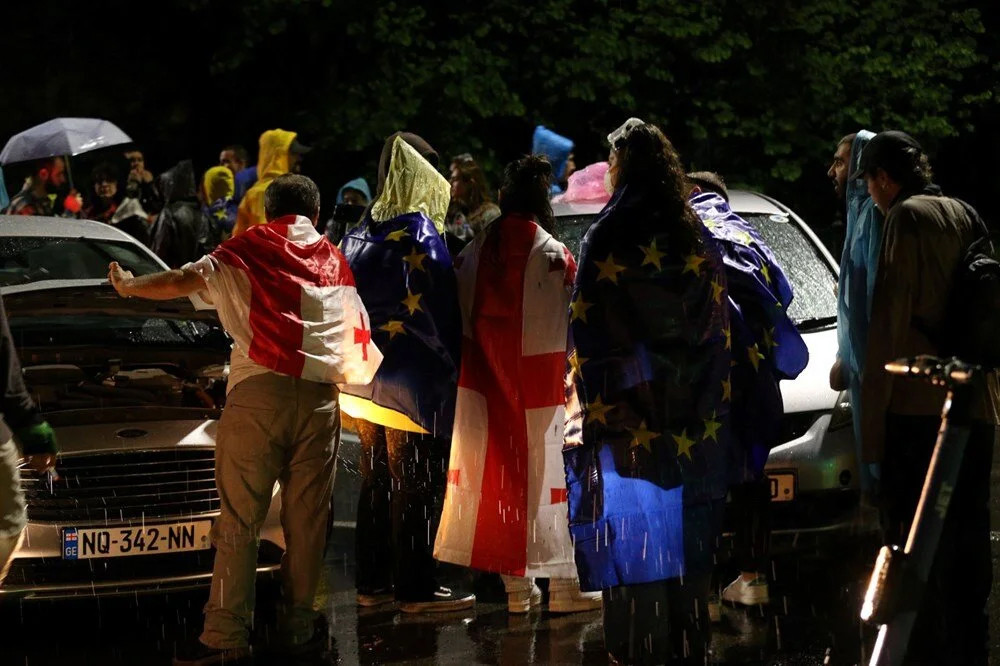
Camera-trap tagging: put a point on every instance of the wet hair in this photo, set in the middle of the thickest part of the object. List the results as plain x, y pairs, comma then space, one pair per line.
912, 169
291, 194
709, 181
647, 160
472, 175
525, 190
239, 151
849, 139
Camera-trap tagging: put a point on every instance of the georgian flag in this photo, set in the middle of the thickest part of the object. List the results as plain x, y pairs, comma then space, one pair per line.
505, 508
287, 297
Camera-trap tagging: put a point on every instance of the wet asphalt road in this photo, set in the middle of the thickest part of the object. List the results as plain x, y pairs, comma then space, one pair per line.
811, 620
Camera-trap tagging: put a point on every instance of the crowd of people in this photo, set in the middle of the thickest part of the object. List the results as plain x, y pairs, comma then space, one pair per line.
532, 414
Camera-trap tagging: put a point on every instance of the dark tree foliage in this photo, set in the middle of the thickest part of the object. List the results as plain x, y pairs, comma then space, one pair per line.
758, 91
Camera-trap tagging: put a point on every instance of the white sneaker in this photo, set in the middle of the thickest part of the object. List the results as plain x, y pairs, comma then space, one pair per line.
569, 600
522, 601
753, 593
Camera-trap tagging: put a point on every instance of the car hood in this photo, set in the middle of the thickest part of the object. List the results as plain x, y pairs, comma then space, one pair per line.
69, 297
80, 434
811, 391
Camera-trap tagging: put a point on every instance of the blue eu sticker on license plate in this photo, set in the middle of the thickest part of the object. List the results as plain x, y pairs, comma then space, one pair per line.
71, 544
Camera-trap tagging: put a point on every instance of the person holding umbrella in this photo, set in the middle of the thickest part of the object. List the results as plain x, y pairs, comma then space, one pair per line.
39, 193
48, 146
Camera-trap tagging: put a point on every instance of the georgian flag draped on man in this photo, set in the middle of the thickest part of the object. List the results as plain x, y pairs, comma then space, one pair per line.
305, 317
765, 343
510, 411
654, 392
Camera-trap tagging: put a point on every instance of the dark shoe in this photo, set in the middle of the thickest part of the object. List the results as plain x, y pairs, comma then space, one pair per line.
196, 653
441, 601
320, 640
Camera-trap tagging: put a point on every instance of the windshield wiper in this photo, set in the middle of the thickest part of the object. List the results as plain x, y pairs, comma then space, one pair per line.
816, 322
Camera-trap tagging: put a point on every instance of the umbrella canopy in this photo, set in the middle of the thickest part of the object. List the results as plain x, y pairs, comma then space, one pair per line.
62, 136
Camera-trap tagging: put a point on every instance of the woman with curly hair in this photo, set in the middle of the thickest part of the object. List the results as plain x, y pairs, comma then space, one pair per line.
505, 508
647, 445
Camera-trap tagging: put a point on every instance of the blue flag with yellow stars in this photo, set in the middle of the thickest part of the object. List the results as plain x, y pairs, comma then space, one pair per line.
766, 344
649, 448
405, 278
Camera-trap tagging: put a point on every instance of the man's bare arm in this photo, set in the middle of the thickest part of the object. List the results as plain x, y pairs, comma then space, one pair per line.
157, 286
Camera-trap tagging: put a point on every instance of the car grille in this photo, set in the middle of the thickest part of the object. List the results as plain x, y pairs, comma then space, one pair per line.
124, 485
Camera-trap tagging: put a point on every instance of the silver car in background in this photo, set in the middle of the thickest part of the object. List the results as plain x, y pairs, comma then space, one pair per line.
814, 472
134, 391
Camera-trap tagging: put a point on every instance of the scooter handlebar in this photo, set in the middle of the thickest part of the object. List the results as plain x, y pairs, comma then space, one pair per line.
937, 371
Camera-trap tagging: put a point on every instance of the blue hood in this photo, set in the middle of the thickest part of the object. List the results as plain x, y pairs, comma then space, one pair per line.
858, 264
358, 184
556, 148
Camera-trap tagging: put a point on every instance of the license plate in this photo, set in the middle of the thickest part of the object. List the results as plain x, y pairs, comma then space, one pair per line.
84, 543
782, 486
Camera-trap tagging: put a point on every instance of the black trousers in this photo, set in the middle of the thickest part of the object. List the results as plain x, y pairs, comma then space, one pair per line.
666, 622
403, 478
952, 626
751, 507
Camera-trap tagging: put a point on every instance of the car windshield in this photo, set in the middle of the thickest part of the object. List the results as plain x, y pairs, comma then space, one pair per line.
26, 259
814, 284
813, 281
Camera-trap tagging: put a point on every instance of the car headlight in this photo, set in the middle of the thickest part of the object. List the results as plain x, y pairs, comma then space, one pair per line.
842, 416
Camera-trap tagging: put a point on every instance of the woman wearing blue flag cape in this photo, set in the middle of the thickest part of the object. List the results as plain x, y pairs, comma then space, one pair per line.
647, 478
404, 417
766, 348
858, 265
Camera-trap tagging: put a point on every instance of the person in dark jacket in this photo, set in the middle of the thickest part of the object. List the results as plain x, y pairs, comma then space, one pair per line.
180, 232
925, 237
404, 417
140, 183
21, 427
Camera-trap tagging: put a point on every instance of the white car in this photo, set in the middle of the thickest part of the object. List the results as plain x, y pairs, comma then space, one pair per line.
134, 391
814, 472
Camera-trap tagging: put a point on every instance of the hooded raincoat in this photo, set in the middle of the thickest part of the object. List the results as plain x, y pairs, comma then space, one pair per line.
556, 148
220, 188
858, 266
405, 278
359, 184
272, 161
180, 231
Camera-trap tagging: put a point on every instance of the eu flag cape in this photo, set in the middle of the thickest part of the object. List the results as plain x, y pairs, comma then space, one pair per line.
651, 375
766, 345
405, 277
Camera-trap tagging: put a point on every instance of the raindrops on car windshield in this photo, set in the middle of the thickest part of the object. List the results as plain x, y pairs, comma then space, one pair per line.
813, 281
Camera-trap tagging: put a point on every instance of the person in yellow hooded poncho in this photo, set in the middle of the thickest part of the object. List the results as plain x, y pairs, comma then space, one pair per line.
280, 153
220, 207
404, 416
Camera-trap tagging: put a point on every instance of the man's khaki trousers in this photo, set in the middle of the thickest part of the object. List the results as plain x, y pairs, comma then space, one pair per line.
274, 428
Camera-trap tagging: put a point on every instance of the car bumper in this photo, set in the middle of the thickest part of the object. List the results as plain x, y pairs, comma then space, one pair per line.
39, 572
827, 498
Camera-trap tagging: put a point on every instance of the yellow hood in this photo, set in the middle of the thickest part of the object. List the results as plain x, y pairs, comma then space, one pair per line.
218, 183
272, 161
411, 186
